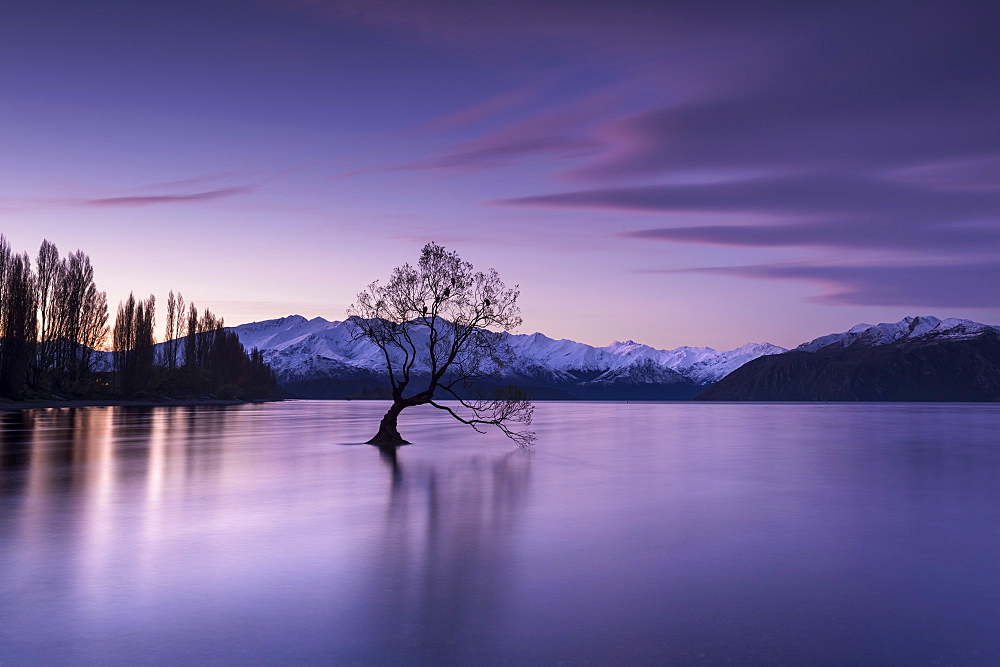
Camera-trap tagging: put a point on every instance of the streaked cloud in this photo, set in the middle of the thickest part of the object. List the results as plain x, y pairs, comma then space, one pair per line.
958, 285
171, 198
810, 210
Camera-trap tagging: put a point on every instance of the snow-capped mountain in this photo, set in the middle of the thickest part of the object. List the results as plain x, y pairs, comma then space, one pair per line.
916, 329
305, 353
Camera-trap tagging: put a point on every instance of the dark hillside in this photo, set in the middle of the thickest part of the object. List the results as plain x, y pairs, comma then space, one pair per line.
936, 370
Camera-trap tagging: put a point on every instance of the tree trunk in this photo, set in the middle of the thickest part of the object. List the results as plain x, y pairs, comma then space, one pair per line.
388, 434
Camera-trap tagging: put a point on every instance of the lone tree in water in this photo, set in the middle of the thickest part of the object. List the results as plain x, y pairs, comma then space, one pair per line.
440, 328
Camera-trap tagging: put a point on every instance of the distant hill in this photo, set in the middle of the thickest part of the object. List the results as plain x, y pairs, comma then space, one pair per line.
915, 359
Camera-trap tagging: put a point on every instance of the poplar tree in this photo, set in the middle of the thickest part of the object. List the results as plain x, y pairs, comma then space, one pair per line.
18, 323
48, 270
133, 342
81, 317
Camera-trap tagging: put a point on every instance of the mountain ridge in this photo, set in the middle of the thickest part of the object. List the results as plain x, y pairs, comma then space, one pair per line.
320, 358
305, 351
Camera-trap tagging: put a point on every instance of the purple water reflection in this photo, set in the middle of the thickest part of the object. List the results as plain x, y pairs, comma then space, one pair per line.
638, 533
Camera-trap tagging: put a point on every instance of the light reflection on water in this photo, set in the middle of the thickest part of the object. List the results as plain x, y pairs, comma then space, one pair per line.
639, 533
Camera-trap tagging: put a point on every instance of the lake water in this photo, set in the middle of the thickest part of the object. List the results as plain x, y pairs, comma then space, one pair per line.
632, 533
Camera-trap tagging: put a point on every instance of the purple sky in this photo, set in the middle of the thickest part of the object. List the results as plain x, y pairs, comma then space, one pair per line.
703, 173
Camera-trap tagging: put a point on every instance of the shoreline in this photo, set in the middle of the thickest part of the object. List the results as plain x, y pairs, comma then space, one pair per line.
37, 404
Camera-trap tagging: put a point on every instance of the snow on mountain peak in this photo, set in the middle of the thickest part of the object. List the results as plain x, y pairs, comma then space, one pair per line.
908, 328
298, 348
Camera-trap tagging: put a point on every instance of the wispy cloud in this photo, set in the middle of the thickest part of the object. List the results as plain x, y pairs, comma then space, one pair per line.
171, 198
921, 219
824, 210
957, 285
183, 191
193, 181
560, 133
490, 154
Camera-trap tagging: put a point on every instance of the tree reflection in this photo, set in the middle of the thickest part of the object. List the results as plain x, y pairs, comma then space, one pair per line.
16, 438
445, 553
390, 455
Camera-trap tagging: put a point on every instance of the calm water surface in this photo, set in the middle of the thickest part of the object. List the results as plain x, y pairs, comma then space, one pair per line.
633, 533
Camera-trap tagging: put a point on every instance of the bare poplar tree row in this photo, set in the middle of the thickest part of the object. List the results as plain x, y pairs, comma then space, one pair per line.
198, 355
53, 319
